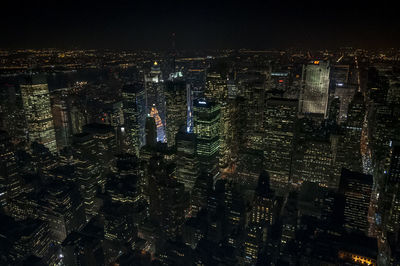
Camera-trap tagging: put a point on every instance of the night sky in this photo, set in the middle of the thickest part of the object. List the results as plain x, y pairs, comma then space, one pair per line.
198, 24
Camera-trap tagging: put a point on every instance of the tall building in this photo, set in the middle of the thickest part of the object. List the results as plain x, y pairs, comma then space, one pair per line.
12, 117
351, 144
60, 110
314, 160
262, 215
227, 154
253, 92
154, 90
104, 147
207, 129
38, 115
279, 124
167, 199
20, 239
151, 131
82, 249
88, 177
264, 203
345, 93
391, 195
176, 108
216, 87
10, 183
315, 88
356, 189
334, 111
134, 108
187, 165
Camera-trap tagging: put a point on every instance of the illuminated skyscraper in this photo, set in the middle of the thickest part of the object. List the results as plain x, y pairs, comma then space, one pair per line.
134, 108
207, 129
39, 118
187, 165
262, 215
315, 88
279, 125
345, 93
154, 86
216, 87
176, 108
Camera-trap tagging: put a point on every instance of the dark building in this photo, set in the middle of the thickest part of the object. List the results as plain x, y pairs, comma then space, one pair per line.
279, 123
356, 189
168, 199
20, 239
81, 249
151, 131
176, 108
134, 108
187, 164
350, 147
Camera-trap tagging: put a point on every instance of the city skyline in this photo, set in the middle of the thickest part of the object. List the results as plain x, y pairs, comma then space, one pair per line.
207, 133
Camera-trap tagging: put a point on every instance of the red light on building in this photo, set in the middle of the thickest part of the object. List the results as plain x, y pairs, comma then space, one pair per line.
281, 81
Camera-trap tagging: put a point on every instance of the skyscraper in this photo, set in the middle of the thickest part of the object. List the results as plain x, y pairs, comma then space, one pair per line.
315, 88
176, 108
262, 215
279, 125
356, 188
187, 165
167, 199
60, 111
264, 202
38, 115
134, 108
314, 160
207, 129
216, 86
10, 184
351, 144
151, 131
154, 90
391, 195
